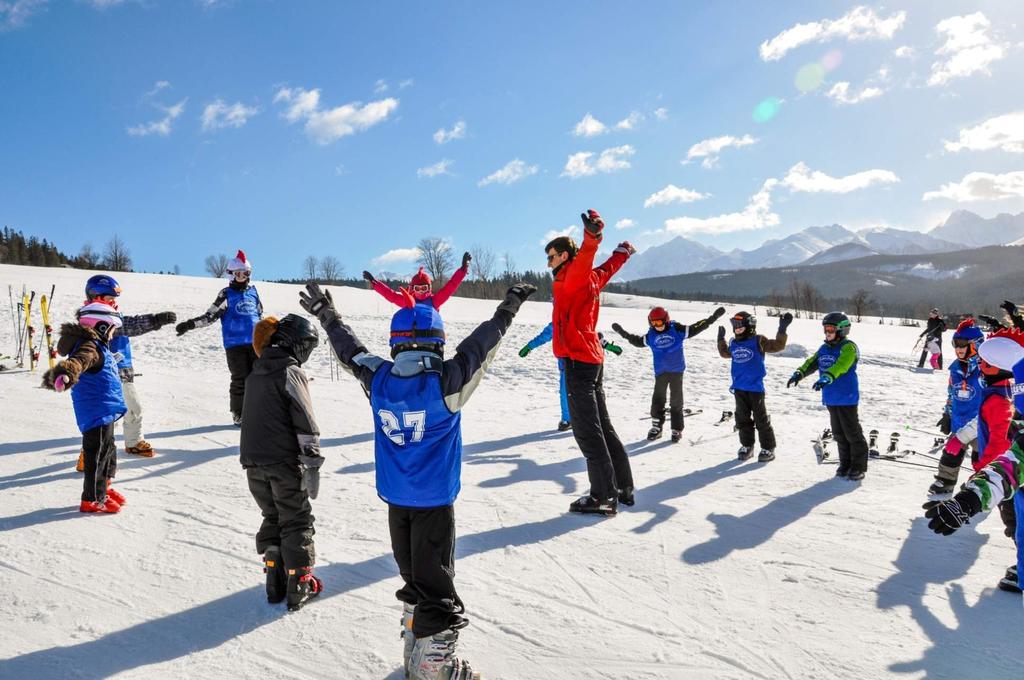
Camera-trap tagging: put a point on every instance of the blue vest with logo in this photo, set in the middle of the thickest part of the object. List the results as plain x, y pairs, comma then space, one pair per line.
97, 397
122, 344
417, 440
964, 392
241, 317
844, 390
748, 369
667, 348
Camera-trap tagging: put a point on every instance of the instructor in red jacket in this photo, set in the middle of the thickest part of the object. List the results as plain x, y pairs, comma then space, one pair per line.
577, 303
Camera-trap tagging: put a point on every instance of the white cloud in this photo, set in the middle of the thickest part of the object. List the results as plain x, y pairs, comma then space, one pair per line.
103, 4
625, 223
968, 48
380, 87
219, 115
609, 160
158, 86
458, 131
397, 255
572, 231
756, 215
14, 13
981, 186
661, 113
709, 149
408, 82
840, 92
162, 126
860, 23
1002, 132
800, 178
904, 52
439, 168
589, 127
630, 122
673, 194
324, 126
513, 171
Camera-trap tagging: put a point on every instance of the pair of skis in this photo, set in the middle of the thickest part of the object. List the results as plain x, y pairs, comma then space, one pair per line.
27, 332
892, 453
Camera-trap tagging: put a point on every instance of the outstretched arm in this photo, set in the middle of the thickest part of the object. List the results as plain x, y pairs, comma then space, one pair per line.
449, 288
388, 294
698, 327
635, 340
351, 353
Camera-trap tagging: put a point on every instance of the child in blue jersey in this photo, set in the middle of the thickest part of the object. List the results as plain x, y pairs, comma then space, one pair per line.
543, 338
747, 350
963, 403
90, 372
836, 363
416, 401
665, 338
239, 309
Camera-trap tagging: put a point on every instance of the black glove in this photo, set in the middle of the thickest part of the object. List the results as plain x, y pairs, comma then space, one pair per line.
794, 379
466, 257
784, 322
185, 327
945, 425
1010, 308
592, 222
945, 517
619, 329
318, 303
516, 296
718, 313
721, 333
310, 466
369, 277
994, 324
164, 318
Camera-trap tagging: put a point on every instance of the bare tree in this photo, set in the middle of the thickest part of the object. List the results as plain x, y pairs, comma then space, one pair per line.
775, 301
216, 265
813, 299
860, 302
436, 257
89, 258
510, 266
177, 270
796, 296
116, 258
483, 263
330, 269
309, 267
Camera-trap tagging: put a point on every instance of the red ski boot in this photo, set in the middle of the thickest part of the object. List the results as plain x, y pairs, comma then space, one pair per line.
107, 505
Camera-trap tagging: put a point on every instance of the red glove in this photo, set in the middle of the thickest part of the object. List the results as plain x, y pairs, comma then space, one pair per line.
625, 247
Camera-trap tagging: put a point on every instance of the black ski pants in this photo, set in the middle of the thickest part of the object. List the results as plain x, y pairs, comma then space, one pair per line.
752, 413
672, 382
853, 447
607, 463
100, 461
240, 361
423, 543
287, 514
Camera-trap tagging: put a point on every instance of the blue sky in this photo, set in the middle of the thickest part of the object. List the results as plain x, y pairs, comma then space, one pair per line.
355, 129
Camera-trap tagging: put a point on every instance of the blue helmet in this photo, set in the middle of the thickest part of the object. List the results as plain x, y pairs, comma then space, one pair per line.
418, 326
101, 284
968, 331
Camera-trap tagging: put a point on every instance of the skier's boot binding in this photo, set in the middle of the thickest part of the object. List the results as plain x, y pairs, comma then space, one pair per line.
277, 577
745, 452
589, 505
766, 455
433, 658
408, 639
654, 432
302, 587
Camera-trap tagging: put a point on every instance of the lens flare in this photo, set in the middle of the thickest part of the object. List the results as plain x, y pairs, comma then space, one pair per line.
810, 77
767, 109
832, 60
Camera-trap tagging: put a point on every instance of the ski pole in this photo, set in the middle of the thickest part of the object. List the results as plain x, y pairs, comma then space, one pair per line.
935, 435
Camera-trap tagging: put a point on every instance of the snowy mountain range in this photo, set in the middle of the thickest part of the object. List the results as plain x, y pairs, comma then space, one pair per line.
825, 244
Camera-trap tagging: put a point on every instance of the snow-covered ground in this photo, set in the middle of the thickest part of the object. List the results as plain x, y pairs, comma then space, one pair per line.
722, 569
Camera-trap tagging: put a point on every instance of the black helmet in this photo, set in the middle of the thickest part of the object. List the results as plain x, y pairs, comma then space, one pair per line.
297, 334
840, 321
744, 320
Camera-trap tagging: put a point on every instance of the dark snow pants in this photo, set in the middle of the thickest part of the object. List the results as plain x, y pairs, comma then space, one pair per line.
100, 461
607, 463
423, 543
853, 447
752, 413
672, 382
240, 361
287, 514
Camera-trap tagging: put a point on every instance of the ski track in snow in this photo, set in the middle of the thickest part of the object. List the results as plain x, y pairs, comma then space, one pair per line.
722, 569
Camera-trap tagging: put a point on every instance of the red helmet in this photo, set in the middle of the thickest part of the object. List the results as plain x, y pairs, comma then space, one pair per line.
420, 278
658, 314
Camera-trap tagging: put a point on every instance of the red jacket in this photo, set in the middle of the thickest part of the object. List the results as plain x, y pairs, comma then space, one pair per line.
436, 299
577, 302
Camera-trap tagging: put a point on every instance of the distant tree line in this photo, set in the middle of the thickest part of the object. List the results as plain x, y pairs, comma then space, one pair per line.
15, 248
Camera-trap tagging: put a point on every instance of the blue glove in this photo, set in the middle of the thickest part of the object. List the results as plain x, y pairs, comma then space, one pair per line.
824, 380
794, 379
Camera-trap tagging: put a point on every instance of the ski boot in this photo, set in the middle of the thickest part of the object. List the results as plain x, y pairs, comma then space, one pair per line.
588, 505
1009, 582
81, 462
894, 444
408, 639
676, 436
627, 497
766, 456
107, 505
433, 658
745, 452
302, 587
114, 494
654, 432
941, 486
236, 418
564, 425
873, 444
143, 449
855, 475
277, 578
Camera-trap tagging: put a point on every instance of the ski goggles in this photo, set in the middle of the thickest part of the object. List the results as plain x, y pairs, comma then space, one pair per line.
831, 329
658, 323
241, 275
737, 323
962, 343
422, 288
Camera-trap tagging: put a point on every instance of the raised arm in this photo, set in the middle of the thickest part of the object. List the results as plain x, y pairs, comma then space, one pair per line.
449, 288
350, 351
699, 326
779, 343
635, 340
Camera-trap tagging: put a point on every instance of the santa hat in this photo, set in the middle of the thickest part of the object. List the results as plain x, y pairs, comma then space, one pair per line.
99, 316
420, 278
1003, 349
239, 263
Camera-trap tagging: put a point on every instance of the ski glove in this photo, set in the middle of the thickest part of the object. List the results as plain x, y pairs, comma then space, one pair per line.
721, 333
784, 322
718, 313
1010, 308
185, 327
58, 379
794, 379
524, 351
994, 324
611, 347
945, 517
369, 277
318, 303
945, 425
164, 318
516, 296
310, 466
592, 222
466, 257
625, 247
820, 383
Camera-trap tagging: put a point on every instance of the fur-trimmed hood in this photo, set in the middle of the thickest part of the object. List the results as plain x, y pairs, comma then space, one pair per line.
71, 334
